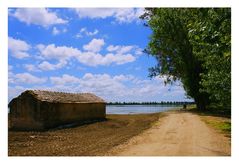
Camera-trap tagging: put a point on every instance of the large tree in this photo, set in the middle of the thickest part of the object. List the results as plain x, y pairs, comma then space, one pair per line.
210, 36
183, 50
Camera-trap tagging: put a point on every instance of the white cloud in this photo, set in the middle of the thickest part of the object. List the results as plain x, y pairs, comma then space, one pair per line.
63, 54
31, 68
26, 78
46, 66
88, 33
95, 45
40, 47
120, 49
118, 88
95, 59
10, 67
96, 83
120, 58
65, 80
138, 51
37, 16
84, 32
121, 15
10, 77
83, 29
64, 30
18, 48
60, 53
55, 31
78, 35
124, 77
128, 15
112, 48
90, 57
94, 12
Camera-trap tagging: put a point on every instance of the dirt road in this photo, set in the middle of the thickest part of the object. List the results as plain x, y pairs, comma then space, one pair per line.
178, 134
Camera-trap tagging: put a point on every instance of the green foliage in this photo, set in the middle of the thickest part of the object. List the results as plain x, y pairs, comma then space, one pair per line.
210, 36
223, 126
193, 45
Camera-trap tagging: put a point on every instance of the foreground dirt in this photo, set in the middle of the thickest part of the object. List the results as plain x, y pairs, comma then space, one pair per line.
178, 134
88, 140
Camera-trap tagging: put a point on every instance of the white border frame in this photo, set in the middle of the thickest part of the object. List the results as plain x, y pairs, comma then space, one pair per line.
117, 3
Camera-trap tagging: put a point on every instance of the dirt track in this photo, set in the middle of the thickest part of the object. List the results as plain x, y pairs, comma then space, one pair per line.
178, 134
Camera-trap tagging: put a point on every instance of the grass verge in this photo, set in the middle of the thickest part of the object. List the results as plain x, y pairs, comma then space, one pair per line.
220, 124
218, 119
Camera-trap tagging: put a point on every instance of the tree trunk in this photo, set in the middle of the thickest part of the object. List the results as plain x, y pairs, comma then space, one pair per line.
201, 106
202, 101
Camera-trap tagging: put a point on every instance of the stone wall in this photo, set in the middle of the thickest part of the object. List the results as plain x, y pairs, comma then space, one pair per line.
28, 113
23, 114
55, 114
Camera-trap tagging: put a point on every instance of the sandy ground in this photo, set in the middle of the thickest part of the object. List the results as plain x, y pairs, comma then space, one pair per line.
178, 134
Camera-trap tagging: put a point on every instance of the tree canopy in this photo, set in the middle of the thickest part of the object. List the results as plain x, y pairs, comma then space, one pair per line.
194, 46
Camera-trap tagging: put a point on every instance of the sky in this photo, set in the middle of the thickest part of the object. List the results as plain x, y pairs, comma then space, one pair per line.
96, 50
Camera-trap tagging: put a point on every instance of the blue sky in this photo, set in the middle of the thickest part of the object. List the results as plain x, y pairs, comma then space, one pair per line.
84, 50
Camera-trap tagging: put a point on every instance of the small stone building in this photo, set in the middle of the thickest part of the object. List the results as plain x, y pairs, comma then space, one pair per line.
40, 110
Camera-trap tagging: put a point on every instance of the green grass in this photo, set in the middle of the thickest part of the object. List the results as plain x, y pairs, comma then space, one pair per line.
217, 118
219, 112
222, 126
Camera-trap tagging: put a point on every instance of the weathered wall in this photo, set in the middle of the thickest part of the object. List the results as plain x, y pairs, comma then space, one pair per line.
23, 115
28, 113
54, 114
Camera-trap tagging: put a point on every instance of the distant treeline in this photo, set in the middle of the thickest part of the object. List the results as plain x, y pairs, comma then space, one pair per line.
150, 103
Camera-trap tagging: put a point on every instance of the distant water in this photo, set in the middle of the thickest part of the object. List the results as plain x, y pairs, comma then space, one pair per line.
139, 109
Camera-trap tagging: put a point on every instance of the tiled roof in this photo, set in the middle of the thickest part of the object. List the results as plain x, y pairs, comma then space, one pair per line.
50, 96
